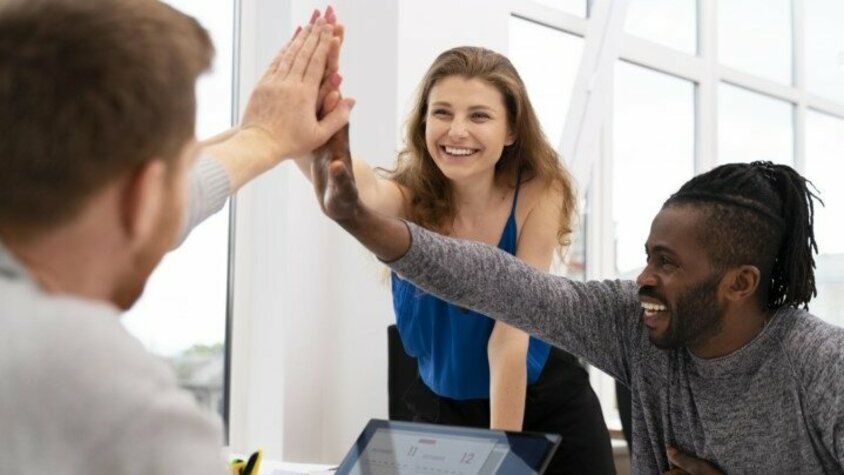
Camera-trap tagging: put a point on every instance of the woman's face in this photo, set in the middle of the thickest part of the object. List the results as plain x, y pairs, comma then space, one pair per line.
466, 128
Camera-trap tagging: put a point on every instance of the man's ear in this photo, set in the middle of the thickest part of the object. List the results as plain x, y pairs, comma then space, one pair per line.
143, 197
741, 282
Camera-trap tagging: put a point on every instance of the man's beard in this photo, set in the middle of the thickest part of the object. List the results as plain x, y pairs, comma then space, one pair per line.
147, 258
695, 317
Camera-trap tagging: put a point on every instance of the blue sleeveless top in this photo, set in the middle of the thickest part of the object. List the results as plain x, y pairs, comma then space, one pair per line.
449, 342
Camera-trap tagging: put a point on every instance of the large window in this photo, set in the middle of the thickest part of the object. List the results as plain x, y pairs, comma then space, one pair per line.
715, 82
549, 85
182, 314
824, 152
755, 36
549, 82
824, 51
653, 154
671, 23
752, 127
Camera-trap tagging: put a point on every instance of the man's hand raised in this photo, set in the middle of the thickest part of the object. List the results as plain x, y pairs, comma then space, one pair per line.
685, 464
334, 181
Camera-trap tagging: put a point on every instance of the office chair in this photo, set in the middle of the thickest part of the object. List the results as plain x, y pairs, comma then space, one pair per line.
402, 371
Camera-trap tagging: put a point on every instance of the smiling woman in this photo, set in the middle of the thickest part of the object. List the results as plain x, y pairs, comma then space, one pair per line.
466, 129
477, 166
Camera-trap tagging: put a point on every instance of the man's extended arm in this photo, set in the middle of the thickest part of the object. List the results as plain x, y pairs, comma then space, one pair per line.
592, 319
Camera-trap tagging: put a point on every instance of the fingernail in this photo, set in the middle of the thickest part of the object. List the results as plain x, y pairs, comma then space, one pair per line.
336, 79
314, 15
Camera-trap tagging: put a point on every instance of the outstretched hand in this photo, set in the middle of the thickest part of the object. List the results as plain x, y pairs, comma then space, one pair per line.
334, 183
282, 109
334, 180
686, 464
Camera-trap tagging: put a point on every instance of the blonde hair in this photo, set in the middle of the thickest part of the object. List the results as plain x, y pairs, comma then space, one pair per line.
432, 202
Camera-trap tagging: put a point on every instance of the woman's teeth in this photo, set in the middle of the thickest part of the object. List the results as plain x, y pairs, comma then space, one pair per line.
458, 151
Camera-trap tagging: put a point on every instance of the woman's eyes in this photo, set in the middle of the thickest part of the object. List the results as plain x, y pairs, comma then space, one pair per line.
475, 116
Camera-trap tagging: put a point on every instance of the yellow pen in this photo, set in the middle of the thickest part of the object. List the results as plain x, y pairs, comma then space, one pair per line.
236, 466
253, 465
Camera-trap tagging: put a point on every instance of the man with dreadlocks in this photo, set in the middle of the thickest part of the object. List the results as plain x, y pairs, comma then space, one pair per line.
727, 371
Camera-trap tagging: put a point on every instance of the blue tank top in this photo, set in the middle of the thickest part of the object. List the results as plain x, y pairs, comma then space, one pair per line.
449, 342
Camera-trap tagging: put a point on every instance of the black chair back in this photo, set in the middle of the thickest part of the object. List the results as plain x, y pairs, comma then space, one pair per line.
402, 371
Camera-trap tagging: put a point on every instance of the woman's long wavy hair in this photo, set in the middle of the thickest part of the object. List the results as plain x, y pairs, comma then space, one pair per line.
432, 203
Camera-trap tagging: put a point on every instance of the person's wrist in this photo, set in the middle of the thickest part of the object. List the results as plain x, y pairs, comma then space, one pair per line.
354, 221
260, 144
388, 238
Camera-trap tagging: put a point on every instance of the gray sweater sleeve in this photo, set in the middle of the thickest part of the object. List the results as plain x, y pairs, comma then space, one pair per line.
596, 320
209, 188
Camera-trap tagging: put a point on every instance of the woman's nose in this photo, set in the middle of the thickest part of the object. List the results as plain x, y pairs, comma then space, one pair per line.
458, 129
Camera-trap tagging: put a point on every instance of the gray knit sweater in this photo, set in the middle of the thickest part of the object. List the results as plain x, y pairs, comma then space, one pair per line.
774, 406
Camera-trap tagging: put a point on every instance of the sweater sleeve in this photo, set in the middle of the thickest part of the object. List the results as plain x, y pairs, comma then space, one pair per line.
590, 319
210, 186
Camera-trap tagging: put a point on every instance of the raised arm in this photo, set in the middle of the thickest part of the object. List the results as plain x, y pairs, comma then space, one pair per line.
378, 193
280, 120
593, 320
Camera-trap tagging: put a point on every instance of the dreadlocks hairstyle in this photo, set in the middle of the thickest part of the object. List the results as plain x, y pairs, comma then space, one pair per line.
760, 214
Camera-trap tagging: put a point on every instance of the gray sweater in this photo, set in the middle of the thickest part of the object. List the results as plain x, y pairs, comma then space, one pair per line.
774, 406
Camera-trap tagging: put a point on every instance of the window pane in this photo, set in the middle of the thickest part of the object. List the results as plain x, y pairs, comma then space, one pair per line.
755, 36
574, 258
753, 127
182, 314
653, 154
824, 149
547, 60
672, 23
825, 48
575, 7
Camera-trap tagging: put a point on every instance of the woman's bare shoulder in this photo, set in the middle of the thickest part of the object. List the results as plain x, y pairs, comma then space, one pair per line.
535, 194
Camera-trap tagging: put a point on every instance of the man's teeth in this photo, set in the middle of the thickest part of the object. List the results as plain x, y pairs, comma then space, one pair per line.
653, 307
458, 151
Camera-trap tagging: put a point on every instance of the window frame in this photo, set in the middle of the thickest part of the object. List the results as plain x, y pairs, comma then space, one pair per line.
706, 73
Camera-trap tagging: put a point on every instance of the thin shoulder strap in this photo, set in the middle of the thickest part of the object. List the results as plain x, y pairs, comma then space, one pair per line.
516, 194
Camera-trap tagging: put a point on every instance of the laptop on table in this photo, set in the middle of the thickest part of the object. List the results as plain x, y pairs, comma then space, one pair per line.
409, 448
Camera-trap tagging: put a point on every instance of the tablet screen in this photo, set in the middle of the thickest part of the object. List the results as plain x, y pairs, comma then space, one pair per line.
389, 447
